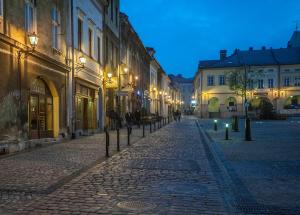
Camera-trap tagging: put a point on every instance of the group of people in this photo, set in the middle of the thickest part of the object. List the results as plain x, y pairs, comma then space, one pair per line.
116, 121
177, 115
133, 118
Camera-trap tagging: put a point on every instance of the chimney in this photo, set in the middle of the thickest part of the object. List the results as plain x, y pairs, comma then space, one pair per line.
223, 54
151, 51
250, 48
263, 48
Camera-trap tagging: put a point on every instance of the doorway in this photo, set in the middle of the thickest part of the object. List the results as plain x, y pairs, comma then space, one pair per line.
41, 111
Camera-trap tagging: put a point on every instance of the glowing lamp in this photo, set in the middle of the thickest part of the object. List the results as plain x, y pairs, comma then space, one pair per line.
82, 60
33, 39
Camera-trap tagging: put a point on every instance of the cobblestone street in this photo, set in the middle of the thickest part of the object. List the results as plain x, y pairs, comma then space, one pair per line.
30, 175
167, 172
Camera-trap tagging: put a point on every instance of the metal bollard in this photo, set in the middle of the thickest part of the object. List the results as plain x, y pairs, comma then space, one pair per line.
226, 132
150, 127
107, 142
248, 130
154, 125
128, 135
143, 129
118, 139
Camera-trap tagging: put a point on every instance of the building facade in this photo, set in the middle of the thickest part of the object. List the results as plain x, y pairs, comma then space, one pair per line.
111, 56
186, 88
277, 82
87, 57
34, 74
135, 78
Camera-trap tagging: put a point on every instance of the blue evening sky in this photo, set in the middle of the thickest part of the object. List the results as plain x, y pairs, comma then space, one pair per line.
186, 31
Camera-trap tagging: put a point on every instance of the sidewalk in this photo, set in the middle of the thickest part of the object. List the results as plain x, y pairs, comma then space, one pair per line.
30, 175
264, 173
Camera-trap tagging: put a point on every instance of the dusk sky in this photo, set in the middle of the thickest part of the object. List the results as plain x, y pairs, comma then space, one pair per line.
186, 31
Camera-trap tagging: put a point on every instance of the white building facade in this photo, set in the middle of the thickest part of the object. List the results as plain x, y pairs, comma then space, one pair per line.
86, 53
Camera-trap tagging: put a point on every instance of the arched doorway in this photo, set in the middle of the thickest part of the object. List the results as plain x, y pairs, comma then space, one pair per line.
292, 102
231, 104
41, 120
214, 107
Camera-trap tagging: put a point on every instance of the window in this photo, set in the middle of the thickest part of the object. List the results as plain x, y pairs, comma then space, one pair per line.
116, 55
90, 42
260, 84
250, 84
55, 15
286, 81
271, 83
210, 80
1, 16
297, 81
111, 56
30, 16
117, 12
222, 80
106, 49
112, 10
99, 49
1, 8
80, 34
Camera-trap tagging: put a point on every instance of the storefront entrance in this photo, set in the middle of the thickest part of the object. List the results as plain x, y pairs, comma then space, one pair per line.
41, 110
86, 115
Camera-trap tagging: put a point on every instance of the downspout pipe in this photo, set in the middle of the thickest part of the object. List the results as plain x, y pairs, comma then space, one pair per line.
73, 73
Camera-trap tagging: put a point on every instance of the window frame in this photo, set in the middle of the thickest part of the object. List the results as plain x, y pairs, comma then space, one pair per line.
30, 27
271, 83
80, 34
222, 81
56, 42
90, 42
260, 84
286, 81
210, 80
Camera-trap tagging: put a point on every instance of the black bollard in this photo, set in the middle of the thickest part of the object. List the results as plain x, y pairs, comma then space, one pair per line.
154, 125
107, 142
143, 129
226, 133
235, 124
118, 139
150, 127
128, 135
248, 130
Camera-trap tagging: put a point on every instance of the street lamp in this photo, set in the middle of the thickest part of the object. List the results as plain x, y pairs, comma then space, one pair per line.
33, 41
215, 125
82, 60
226, 132
136, 77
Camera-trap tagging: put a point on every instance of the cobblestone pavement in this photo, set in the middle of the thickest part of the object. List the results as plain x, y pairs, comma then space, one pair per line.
264, 174
167, 172
28, 176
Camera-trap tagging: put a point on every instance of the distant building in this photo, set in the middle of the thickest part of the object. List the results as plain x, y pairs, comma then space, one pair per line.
295, 40
185, 86
279, 84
